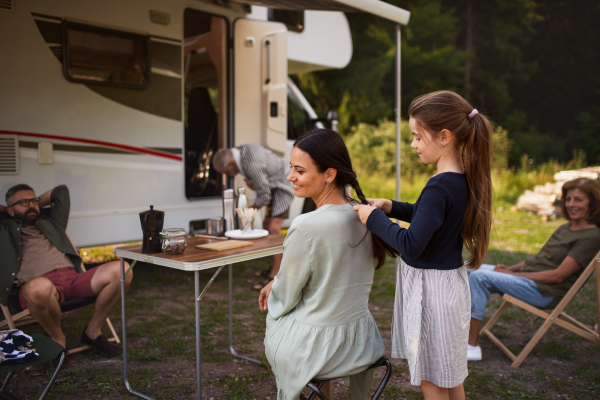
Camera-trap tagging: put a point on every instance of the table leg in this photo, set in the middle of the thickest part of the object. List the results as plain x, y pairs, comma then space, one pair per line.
124, 323
198, 296
231, 321
198, 352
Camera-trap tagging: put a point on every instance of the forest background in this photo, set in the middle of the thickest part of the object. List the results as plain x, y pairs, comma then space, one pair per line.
530, 65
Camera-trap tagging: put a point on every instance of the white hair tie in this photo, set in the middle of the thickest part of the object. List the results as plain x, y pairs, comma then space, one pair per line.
473, 113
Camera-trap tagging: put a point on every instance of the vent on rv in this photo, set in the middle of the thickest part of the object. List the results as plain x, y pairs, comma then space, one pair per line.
7, 5
9, 155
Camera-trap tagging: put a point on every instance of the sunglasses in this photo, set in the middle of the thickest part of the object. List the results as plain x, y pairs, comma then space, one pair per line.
25, 202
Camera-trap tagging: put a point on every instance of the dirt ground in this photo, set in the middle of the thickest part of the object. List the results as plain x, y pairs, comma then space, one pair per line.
161, 345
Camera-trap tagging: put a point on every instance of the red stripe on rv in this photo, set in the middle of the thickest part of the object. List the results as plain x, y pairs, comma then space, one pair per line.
124, 147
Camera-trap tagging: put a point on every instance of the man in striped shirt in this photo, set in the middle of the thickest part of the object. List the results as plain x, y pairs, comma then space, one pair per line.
265, 173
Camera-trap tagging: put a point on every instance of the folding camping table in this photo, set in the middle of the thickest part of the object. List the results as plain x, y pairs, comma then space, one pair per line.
196, 260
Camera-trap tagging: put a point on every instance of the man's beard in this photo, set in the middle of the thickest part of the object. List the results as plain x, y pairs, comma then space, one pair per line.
28, 217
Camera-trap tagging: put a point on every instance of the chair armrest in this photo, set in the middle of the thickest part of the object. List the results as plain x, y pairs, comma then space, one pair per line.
77, 251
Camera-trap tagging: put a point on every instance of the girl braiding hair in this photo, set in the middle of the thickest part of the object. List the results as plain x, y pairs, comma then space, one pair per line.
432, 309
473, 132
328, 150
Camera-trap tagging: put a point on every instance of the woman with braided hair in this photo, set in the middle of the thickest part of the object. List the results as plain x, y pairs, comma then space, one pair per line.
318, 322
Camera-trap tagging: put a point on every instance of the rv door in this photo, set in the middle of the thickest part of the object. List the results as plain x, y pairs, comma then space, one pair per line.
260, 93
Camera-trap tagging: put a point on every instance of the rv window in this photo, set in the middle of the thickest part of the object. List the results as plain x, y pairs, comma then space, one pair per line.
298, 119
293, 20
205, 83
104, 56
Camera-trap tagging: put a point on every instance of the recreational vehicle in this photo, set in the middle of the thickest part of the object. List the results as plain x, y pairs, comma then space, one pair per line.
125, 102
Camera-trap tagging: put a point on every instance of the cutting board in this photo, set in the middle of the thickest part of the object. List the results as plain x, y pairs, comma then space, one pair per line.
224, 245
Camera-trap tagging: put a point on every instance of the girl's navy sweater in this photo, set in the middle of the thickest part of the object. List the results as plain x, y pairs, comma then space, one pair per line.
434, 238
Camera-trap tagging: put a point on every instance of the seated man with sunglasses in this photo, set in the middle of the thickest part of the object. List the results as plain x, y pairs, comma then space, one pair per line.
39, 258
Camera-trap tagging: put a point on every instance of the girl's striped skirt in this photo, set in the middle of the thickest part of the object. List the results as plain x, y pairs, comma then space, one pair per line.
430, 328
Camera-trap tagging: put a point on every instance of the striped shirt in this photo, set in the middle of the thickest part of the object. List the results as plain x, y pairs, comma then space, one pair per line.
268, 173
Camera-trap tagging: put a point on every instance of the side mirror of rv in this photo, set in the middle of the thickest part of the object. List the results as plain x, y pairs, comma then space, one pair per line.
331, 121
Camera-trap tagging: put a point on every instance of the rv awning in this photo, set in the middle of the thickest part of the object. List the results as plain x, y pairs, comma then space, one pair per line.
375, 7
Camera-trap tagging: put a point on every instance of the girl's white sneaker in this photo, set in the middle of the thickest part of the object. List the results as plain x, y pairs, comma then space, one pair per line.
473, 353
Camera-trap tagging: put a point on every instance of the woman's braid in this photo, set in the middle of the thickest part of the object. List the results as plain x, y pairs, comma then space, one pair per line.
359, 191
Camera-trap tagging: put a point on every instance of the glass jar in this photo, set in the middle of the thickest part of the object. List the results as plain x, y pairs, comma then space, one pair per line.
174, 242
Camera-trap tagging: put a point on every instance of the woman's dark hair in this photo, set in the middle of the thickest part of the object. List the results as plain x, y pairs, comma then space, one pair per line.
328, 150
444, 109
591, 189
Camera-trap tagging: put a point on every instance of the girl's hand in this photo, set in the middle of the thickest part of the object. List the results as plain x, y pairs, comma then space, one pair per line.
364, 211
263, 297
384, 205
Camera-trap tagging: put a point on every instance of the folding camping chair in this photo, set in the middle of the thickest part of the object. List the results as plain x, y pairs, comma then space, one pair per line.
47, 350
555, 316
23, 317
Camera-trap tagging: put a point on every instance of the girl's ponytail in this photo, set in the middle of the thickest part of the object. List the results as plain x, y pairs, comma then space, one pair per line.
476, 155
473, 133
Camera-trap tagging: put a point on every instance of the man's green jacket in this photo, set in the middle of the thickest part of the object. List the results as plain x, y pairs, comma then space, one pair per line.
54, 227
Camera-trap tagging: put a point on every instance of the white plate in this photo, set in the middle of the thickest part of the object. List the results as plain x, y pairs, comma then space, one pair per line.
237, 234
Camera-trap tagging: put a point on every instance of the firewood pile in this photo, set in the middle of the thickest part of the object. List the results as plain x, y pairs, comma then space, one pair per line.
545, 200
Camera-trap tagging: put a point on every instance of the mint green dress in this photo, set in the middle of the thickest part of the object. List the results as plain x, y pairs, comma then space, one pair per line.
318, 322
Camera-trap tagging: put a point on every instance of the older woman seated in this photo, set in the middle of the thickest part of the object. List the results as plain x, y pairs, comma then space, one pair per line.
545, 278
319, 324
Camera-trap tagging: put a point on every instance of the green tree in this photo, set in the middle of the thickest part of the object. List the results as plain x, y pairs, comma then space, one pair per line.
533, 70
563, 95
587, 137
530, 65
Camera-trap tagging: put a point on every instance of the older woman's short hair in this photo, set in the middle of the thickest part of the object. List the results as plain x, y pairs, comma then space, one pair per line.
591, 188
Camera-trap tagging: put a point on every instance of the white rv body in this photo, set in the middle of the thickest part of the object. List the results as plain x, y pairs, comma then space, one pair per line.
121, 150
